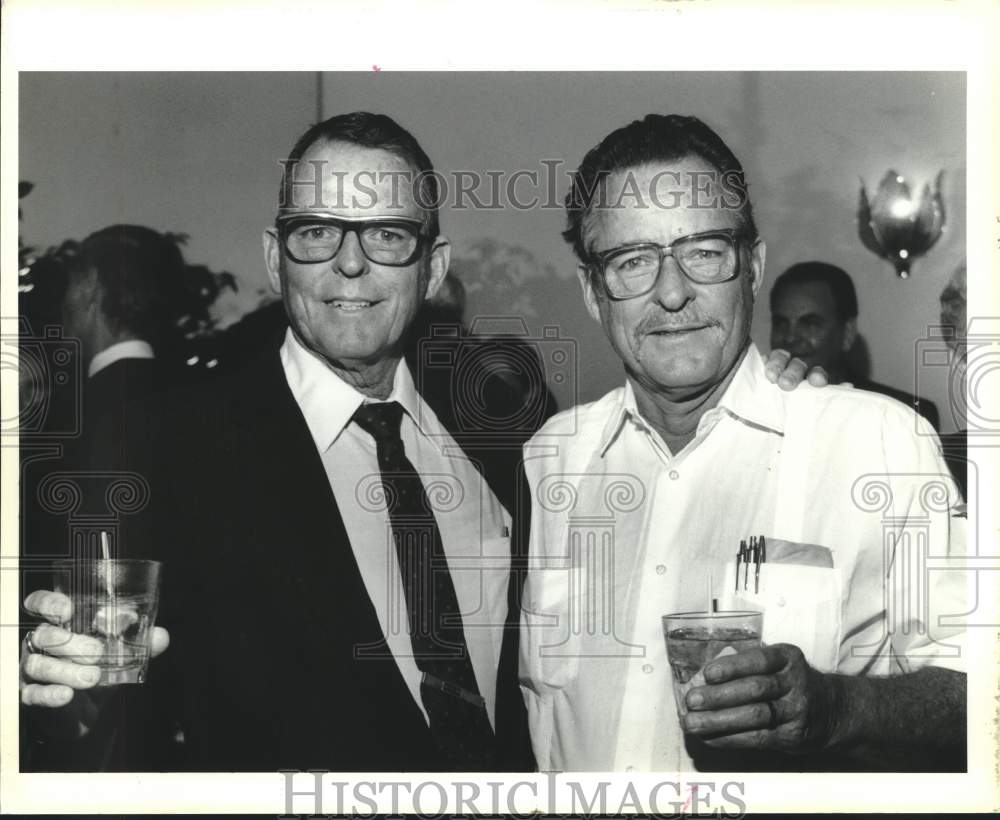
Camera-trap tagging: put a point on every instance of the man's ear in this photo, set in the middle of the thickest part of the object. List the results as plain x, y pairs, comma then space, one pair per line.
850, 334
437, 265
757, 255
272, 258
86, 287
590, 296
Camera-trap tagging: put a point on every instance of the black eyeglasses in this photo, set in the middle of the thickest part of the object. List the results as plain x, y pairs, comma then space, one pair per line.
707, 258
386, 240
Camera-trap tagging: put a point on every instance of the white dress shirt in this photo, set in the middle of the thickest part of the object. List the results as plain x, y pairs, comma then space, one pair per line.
849, 490
130, 349
474, 526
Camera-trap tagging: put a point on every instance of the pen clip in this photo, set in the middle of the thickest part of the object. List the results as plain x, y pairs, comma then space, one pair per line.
758, 559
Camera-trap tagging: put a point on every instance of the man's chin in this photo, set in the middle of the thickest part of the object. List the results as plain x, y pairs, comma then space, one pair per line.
677, 381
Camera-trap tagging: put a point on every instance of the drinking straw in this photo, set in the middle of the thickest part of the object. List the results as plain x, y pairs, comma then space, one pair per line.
109, 581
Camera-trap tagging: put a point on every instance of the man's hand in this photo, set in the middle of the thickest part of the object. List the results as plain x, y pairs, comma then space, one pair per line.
63, 663
788, 373
732, 710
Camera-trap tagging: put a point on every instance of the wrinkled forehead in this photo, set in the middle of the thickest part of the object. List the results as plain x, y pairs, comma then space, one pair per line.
353, 181
662, 201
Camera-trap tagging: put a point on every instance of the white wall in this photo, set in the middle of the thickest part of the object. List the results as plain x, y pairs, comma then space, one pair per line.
198, 153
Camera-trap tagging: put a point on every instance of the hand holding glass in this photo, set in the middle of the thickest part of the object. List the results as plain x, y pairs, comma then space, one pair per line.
115, 602
696, 638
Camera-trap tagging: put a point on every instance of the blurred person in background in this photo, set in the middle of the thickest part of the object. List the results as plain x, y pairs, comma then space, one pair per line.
955, 325
122, 283
814, 315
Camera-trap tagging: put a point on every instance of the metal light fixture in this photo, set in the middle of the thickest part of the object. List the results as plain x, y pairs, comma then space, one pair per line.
897, 226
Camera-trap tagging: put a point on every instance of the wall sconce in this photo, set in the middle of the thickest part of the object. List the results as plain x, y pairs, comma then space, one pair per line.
898, 227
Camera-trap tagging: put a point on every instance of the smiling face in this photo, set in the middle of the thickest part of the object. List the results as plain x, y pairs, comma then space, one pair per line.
681, 338
353, 312
804, 322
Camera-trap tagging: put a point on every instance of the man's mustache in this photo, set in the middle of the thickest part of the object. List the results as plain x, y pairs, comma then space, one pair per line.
664, 322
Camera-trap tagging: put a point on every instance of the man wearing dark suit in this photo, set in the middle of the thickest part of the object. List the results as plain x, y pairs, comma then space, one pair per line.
282, 498
814, 315
113, 294
121, 285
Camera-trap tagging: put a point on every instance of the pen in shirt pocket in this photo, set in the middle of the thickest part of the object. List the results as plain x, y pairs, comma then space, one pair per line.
754, 552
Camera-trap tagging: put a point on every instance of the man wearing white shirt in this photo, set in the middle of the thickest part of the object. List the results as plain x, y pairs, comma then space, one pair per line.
641, 500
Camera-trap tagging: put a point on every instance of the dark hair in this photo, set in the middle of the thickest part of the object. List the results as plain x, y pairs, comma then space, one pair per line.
140, 272
845, 299
370, 131
655, 138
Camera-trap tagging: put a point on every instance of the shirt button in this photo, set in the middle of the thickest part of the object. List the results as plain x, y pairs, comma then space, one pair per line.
647, 668
674, 475
660, 569
781, 601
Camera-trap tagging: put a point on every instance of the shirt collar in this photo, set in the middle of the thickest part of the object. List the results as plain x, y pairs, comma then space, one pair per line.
750, 398
328, 402
624, 410
130, 349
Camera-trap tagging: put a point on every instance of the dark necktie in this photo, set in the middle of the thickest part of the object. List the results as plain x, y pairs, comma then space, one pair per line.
459, 723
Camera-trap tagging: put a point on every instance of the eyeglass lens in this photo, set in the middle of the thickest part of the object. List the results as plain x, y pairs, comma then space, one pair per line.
390, 243
634, 270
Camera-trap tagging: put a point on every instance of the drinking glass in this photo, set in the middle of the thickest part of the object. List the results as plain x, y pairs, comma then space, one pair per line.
696, 638
115, 601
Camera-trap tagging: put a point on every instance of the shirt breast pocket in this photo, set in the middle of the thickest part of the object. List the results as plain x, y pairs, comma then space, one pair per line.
801, 606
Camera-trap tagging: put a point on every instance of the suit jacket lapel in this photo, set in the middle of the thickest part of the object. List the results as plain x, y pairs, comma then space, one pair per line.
303, 526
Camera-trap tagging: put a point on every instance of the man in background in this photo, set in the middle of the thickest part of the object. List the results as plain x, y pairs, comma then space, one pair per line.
814, 315
122, 283
115, 295
954, 323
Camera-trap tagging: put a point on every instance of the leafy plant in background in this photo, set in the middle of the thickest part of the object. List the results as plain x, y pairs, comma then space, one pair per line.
43, 276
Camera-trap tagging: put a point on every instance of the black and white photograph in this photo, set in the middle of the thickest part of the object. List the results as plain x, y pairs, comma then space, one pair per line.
392, 431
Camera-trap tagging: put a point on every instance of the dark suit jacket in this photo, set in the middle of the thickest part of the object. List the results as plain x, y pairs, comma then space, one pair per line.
925, 407
954, 446
113, 387
110, 440
265, 604
108, 437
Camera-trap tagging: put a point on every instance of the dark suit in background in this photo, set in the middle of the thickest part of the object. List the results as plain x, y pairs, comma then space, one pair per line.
925, 407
